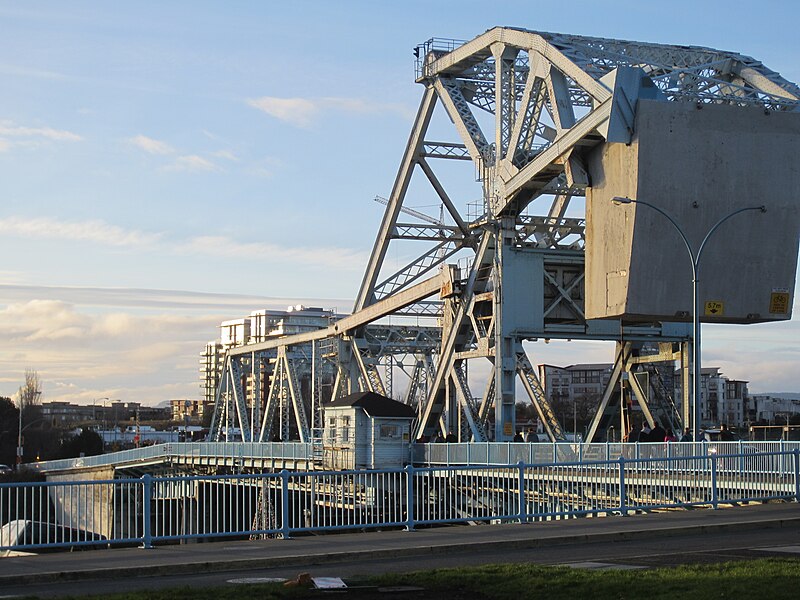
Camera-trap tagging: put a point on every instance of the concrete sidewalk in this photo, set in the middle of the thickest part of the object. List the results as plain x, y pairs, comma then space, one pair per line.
327, 549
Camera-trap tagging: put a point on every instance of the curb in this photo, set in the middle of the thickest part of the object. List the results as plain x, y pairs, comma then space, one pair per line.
323, 558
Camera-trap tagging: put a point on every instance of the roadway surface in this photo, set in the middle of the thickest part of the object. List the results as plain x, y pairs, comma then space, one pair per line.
637, 541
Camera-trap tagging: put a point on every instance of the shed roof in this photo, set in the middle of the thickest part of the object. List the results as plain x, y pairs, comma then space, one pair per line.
374, 405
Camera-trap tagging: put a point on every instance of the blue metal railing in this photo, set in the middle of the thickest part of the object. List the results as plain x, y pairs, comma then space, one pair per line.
154, 510
472, 453
186, 451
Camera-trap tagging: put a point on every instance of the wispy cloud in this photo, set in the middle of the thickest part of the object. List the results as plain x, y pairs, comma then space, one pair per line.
186, 162
131, 344
192, 162
295, 111
302, 112
79, 231
16, 70
100, 232
132, 300
5, 145
226, 154
10, 129
150, 145
339, 258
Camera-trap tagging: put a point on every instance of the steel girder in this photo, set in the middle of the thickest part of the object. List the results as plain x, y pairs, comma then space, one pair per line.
551, 98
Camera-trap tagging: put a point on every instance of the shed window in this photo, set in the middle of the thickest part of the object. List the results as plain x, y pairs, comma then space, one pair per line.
345, 429
389, 432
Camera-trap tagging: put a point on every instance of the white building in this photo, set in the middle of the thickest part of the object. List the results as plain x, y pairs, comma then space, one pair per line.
366, 431
773, 410
259, 326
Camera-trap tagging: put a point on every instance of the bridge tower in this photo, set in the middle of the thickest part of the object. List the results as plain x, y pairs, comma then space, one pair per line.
541, 132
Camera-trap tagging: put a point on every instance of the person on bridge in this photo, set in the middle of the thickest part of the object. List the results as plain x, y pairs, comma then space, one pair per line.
658, 434
687, 435
725, 434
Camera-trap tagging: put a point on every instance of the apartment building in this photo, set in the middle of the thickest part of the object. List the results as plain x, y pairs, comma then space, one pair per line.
259, 326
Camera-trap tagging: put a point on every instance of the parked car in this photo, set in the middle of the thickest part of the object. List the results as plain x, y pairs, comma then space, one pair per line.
5, 470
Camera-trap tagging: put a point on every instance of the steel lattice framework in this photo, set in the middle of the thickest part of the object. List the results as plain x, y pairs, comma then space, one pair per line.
525, 109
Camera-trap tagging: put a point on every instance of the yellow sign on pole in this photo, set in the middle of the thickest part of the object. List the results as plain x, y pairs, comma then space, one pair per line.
715, 308
779, 303
508, 429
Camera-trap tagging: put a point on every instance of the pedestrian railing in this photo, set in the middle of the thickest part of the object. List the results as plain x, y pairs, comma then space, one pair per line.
502, 453
155, 510
199, 452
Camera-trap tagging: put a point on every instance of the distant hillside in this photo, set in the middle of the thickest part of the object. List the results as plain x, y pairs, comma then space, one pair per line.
790, 395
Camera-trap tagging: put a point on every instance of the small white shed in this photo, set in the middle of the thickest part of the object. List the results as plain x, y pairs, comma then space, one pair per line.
366, 431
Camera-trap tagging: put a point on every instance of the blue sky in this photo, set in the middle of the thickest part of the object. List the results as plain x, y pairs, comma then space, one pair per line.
169, 165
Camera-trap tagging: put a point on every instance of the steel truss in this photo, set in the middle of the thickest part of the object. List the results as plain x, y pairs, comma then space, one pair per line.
525, 108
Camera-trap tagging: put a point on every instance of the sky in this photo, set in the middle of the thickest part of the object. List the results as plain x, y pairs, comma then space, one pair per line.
165, 166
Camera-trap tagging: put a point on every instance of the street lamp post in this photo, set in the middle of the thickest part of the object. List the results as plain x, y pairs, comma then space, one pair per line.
695, 261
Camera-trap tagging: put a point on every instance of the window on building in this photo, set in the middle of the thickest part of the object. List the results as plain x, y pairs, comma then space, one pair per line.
389, 432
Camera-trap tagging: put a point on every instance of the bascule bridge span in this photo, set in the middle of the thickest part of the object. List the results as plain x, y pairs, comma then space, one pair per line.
548, 129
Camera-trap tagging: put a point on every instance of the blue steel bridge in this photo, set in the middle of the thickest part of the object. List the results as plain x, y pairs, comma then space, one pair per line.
195, 491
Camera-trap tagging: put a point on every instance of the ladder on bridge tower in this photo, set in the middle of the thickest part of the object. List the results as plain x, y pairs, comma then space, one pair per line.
543, 407
470, 426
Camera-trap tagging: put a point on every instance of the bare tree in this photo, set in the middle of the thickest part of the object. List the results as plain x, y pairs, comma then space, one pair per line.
30, 394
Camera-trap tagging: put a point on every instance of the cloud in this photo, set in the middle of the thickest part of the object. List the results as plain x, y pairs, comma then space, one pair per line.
103, 233
226, 154
150, 145
9, 129
295, 111
302, 112
338, 258
129, 344
180, 301
80, 231
192, 162
5, 145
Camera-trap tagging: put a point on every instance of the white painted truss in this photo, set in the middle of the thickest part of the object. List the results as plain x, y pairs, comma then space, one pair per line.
524, 108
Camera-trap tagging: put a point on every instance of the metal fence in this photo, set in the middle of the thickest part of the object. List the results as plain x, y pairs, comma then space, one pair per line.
200, 451
503, 453
154, 510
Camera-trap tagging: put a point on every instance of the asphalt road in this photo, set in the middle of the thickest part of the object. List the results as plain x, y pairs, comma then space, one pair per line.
708, 547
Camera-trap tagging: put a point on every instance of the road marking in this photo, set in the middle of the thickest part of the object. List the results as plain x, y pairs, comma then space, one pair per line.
258, 580
599, 565
789, 549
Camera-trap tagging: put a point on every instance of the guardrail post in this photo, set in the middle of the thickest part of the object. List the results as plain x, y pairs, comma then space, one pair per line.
781, 455
522, 513
285, 517
623, 500
796, 453
147, 496
409, 470
714, 494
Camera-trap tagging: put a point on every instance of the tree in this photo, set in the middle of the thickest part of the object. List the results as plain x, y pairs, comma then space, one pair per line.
9, 422
30, 394
36, 442
87, 442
